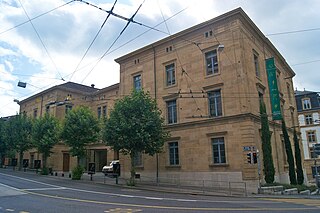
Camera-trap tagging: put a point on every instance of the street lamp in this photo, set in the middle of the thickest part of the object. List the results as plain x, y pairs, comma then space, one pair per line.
259, 170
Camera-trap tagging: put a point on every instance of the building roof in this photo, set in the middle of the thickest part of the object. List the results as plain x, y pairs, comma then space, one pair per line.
79, 87
304, 92
70, 86
238, 12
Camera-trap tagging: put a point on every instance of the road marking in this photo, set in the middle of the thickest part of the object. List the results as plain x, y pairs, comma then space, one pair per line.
33, 181
43, 189
10, 187
119, 210
308, 202
175, 207
10, 210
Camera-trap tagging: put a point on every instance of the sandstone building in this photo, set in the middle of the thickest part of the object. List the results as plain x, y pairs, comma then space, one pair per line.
57, 101
207, 81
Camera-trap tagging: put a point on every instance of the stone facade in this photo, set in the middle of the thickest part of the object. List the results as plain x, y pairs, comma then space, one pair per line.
207, 81
57, 101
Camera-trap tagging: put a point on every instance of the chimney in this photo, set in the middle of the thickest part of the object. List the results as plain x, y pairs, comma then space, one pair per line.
92, 85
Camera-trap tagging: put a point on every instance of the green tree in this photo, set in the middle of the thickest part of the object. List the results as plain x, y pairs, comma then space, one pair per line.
135, 125
300, 177
45, 135
3, 145
290, 159
80, 128
17, 135
266, 145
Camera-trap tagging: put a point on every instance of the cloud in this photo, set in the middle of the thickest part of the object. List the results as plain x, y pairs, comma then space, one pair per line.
68, 31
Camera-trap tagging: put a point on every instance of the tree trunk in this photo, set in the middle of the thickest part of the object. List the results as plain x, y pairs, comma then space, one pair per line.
132, 171
44, 161
20, 160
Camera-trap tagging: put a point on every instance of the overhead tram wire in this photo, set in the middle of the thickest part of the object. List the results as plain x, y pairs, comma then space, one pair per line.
94, 39
31, 19
47, 86
183, 71
105, 53
44, 46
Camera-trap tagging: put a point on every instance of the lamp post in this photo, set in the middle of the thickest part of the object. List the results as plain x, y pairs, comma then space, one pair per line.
259, 171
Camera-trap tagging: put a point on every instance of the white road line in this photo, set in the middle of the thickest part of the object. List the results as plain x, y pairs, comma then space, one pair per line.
33, 181
43, 189
128, 196
1, 184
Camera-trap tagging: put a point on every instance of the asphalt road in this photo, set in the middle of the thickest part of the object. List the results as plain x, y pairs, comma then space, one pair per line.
29, 193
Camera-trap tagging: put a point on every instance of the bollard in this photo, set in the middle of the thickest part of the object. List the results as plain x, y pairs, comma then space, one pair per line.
69, 175
62, 175
117, 181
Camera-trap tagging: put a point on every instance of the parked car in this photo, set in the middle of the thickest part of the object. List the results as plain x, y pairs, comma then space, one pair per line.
109, 168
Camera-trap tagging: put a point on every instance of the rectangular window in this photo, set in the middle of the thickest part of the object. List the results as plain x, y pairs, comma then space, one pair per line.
311, 136
172, 111
137, 160
314, 170
215, 105
211, 62
170, 74
309, 119
218, 150
260, 97
47, 109
256, 64
137, 82
173, 153
306, 104
289, 93
35, 113
104, 111
68, 108
99, 112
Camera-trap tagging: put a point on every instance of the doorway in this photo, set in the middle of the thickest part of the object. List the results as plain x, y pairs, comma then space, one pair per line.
66, 162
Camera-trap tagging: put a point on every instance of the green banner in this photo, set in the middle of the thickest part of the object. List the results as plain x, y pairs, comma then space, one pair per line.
273, 89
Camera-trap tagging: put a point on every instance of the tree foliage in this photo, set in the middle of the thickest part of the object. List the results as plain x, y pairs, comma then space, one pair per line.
300, 177
135, 125
268, 165
45, 135
290, 159
3, 145
80, 128
17, 135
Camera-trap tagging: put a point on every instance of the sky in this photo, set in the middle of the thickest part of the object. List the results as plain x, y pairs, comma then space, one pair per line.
53, 47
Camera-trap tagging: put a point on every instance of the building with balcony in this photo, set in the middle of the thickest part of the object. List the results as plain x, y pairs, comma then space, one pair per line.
308, 107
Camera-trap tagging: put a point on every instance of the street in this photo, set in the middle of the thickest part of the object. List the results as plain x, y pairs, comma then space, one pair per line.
25, 192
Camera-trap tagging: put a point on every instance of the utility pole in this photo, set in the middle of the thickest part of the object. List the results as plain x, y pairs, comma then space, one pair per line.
259, 170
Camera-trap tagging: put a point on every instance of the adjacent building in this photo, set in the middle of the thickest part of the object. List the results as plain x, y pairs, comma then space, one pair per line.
308, 107
58, 101
208, 81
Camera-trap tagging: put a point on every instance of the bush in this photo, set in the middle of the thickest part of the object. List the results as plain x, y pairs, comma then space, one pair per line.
77, 173
44, 171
